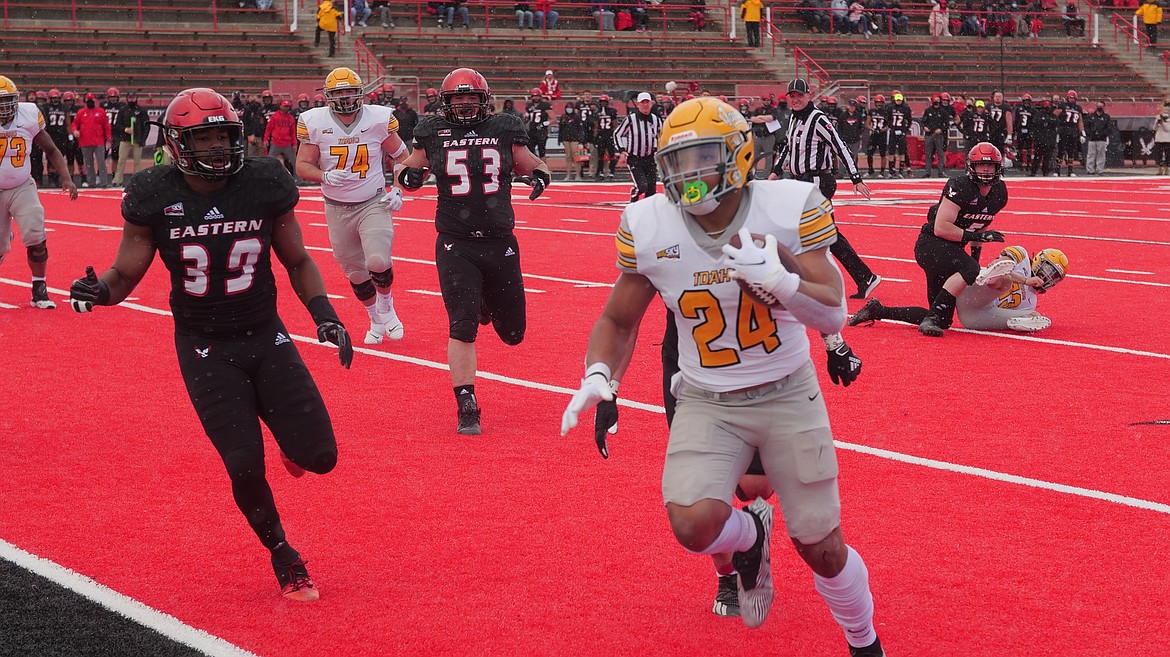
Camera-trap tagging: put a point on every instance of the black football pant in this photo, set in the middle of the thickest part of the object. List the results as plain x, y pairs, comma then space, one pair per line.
842, 250
669, 367
1024, 146
37, 158
235, 384
936, 148
538, 141
1042, 156
940, 259
480, 277
644, 171
605, 148
1069, 148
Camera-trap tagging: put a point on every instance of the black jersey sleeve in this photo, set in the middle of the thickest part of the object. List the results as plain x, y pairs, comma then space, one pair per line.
424, 130
512, 127
141, 197
276, 191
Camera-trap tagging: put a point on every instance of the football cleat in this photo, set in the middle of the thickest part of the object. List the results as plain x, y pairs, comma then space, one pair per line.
755, 567
295, 583
995, 270
867, 314
293, 469
931, 326
863, 291
376, 333
392, 325
1028, 323
40, 296
468, 417
872, 650
727, 596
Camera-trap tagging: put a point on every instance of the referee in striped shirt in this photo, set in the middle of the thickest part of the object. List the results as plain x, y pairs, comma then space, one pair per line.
637, 140
808, 156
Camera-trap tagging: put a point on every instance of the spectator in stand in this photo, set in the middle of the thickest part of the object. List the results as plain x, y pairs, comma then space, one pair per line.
857, 20
603, 14
91, 128
1073, 22
1151, 14
1098, 126
359, 12
971, 23
280, 137
900, 21
839, 9
936, 122
524, 13
639, 15
570, 134
546, 16
327, 21
877, 13
550, 88
132, 127
698, 15
751, 11
1034, 18
939, 20
383, 7
458, 7
814, 15
1162, 141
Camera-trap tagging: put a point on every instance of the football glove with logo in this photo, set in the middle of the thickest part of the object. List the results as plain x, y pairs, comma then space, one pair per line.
539, 180
393, 200
844, 366
412, 177
761, 266
330, 328
594, 388
605, 422
982, 236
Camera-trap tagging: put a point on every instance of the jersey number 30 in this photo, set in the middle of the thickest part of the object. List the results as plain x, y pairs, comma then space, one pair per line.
243, 257
754, 325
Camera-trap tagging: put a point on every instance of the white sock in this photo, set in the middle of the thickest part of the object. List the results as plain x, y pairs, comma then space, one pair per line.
385, 303
739, 534
38, 279
372, 311
850, 600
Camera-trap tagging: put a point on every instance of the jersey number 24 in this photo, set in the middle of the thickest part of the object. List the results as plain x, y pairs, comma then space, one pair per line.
754, 326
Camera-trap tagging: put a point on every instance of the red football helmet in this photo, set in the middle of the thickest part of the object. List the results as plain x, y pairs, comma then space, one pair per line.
535, 92
89, 95
946, 98
198, 110
603, 98
303, 102
42, 96
432, 93
54, 93
984, 153
461, 82
861, 100
112, 92
68, 97
319, 100
388, 89
267, 94
1027, 97
1072, 94
832, 100
879, 100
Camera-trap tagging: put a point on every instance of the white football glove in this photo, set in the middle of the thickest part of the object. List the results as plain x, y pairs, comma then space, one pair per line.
761, 266
393, 200
338, 177
594, 388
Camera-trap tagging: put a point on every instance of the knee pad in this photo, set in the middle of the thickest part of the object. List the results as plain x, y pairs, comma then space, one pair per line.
364, 291
969, 271
324, 462
464, 330
383, 278
38, 253
513, 337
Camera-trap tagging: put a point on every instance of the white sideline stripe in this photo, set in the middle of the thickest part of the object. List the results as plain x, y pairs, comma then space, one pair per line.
1008, 478
81, 225
430, 292
1130, 271
1020, 232
124, 606
7, 305
654, 408
1067, 343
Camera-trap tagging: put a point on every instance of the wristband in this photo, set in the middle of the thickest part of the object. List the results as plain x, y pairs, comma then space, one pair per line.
321, 310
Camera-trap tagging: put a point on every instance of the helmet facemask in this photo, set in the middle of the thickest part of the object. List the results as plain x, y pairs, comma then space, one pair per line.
208, 163
464, 113
344, 100
698, 173
1047, 270
8, 104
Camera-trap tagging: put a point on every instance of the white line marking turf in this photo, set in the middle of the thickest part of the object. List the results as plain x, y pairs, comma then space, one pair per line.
129, 608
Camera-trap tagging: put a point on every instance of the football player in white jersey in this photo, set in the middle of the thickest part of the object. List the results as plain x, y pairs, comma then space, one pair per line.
1004, 295
22, 126
342, 147
748, 382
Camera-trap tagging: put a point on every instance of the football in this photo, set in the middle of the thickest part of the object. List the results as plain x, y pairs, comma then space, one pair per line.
786, 257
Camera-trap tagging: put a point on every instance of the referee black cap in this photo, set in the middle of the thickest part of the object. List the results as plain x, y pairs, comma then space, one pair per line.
798, 86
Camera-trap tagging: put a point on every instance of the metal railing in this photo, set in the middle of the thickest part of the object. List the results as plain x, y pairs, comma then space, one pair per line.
81, 11
1132, 34
368, 66
810, 65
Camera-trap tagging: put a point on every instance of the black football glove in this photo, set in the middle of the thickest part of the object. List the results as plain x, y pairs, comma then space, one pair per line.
412, 177
539, 180
983, 236
85, 293
844, 365
332, 331
605, 422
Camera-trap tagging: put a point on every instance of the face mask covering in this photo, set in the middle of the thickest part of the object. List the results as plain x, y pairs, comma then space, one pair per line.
89, 104
568, 110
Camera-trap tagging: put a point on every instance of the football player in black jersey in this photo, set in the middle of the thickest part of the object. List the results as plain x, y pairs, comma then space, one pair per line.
1025, 115
537, 114
473, 154
1071, 126
968, 204
878, 135
215, 218
607, 123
